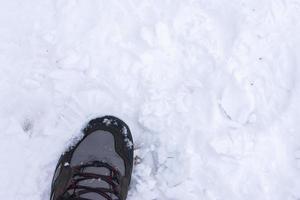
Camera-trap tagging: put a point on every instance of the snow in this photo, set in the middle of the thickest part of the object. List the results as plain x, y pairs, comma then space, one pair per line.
210, 90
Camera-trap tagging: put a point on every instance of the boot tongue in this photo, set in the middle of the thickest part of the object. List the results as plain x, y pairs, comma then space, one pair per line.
96, 183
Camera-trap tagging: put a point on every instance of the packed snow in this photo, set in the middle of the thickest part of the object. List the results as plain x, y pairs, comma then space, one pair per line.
210, 90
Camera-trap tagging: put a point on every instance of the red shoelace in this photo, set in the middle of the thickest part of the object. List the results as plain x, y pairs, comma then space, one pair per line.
113, 180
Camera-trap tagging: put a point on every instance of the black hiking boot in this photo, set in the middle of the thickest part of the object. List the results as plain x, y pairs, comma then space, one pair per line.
99, 166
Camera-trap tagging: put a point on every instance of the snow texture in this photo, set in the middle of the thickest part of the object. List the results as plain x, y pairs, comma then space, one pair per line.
210, 90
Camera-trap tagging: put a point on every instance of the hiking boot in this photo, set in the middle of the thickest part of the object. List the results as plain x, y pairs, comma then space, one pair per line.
99, 166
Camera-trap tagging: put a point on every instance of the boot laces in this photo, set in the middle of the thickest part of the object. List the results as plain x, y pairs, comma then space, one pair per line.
113, 180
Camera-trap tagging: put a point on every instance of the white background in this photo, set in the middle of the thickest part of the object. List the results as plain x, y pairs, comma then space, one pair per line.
210, 89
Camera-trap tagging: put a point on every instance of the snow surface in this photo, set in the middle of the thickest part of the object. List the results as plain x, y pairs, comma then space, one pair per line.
210, 90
